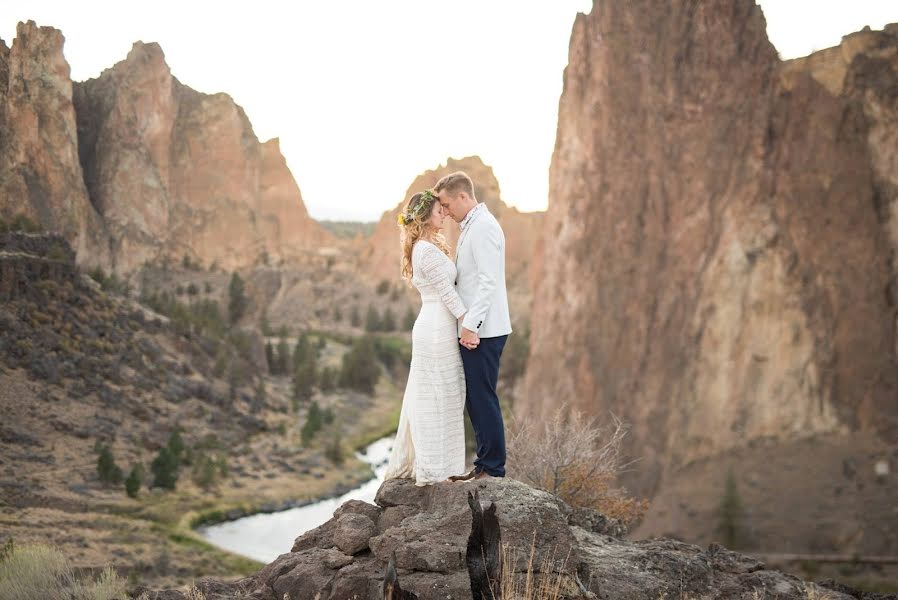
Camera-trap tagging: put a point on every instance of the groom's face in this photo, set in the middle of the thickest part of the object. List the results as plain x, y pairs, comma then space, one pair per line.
453, 205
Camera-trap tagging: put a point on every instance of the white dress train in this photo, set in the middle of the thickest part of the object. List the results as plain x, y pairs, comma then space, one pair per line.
430, 440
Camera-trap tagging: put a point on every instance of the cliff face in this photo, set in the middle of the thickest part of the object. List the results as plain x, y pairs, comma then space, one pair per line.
40, 175
719, 253
440, 542
177, 172
522, 230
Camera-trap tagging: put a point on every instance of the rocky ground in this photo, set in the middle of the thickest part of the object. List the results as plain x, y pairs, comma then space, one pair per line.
426, 531
80, 365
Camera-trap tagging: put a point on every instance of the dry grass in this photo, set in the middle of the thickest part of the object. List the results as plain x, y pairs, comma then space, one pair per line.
39, 572
575, 459
545, 583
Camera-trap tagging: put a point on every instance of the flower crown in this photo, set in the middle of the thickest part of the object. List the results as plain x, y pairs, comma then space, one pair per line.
427, 199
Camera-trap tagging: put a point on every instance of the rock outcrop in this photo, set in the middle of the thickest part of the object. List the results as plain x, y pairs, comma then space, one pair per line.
134, 166
176, 172
522, 231
426, 530
40, 175
719, 266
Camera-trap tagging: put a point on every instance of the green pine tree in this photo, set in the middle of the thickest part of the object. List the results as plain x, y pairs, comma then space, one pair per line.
360, 370
237, 300
134, 480
165, 469
176, 446
313, 423
107, 470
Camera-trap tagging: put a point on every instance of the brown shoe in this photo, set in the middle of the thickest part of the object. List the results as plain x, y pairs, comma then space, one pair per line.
483, 475
466, 477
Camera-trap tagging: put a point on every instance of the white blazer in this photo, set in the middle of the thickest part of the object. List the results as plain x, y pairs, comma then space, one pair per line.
480, 260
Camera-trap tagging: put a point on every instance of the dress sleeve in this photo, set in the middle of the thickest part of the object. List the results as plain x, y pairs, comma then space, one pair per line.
430, 265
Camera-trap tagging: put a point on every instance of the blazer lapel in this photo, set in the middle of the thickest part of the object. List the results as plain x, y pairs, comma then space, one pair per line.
464, 233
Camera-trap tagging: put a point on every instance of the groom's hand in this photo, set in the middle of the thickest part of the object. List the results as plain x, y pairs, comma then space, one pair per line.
469, 339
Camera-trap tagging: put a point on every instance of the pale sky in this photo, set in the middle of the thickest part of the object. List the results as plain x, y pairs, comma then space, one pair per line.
366, 95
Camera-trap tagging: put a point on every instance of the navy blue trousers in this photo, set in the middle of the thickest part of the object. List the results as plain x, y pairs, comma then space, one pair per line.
481, 374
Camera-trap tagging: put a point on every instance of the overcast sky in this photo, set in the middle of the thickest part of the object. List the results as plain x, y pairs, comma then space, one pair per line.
365, 95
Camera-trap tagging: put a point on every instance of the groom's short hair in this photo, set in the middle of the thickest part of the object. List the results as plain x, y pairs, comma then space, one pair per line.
453, 183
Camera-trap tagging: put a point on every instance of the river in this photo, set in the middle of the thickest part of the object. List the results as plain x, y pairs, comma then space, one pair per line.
265, 536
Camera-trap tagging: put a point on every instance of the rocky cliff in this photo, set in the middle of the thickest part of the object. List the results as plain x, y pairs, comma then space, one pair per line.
719, 263
134, 166
174, 168
430, 533
40, 175
522, 230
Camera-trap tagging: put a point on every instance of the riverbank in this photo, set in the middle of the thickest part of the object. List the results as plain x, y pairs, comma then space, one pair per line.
150, 539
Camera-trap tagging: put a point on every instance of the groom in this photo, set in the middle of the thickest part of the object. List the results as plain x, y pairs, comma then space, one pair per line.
480, 259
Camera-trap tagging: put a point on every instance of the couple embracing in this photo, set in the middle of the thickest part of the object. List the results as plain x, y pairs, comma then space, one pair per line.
457, 339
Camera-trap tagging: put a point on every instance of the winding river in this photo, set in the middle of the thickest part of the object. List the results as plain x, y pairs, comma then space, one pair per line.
266, 536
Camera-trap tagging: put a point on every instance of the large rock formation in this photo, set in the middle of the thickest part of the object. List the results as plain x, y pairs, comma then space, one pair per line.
176, 172
719, 262
134, 166
40, 176
522, 230
427, 530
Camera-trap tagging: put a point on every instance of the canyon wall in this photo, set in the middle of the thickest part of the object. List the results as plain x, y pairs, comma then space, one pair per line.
719, 249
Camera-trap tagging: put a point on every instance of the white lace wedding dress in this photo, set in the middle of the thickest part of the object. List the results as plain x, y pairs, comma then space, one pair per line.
430, 441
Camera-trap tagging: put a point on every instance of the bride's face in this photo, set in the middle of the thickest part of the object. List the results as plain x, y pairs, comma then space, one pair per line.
437, 216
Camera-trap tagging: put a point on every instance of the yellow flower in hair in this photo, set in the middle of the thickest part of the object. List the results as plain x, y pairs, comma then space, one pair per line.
401, 219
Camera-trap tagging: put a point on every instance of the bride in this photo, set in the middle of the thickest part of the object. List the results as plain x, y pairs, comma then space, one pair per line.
430, 441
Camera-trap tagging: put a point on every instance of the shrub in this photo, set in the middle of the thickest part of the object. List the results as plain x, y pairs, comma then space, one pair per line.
575, 459
192, 289
165, 469
237, 300
134, 481
24, 223
39, 572
314, 421
355, 319
176, 446
107, 470
383, 287
359, 370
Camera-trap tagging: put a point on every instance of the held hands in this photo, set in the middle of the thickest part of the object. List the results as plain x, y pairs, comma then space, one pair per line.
469, 339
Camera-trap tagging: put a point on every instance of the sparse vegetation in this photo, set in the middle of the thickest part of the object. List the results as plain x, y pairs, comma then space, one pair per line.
575, 459
383, 287
360, 371
40, 572
730, 513
165, 469
237, 300
134, 481
107, 470
315, 420
19, 222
